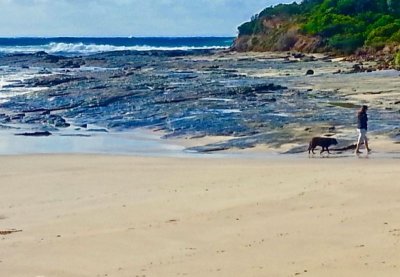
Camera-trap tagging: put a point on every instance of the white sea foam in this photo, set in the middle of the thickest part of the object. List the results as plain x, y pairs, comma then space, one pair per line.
13, 76
85, 49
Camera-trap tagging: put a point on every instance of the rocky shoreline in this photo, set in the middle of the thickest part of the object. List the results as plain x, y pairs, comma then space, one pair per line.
252, 98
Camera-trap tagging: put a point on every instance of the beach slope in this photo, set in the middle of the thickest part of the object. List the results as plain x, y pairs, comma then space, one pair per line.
89, 215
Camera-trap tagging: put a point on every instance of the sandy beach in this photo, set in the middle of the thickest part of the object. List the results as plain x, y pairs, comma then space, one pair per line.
99, 215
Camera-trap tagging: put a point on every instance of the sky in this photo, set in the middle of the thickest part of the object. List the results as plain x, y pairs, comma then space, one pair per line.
126, 17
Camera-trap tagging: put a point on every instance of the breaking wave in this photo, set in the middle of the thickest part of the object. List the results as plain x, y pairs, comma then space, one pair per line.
87, 49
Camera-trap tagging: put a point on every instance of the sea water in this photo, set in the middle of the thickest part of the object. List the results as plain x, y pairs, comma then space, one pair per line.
86, 45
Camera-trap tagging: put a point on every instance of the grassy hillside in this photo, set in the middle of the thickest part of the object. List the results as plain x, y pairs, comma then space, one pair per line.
320, 25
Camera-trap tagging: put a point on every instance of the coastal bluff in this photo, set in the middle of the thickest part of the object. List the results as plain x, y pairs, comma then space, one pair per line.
366, 30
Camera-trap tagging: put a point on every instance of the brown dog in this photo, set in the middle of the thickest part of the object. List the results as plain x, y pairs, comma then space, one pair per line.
323, 142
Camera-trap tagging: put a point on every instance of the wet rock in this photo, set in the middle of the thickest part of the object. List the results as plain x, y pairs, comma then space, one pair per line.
53, 80
5, 118
208, 148
44, 71
357, 68
16, 84
182, 96
310, 72
76, 135
33, 119
17, 116
98, 130
52, 58
308, 59
298, 55
71, 64
57, 121
257, 89
41, 54
35, 134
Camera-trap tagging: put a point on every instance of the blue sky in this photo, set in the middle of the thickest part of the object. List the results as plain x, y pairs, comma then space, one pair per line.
126, 17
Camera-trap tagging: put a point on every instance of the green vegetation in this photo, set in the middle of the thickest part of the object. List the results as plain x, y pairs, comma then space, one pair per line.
342, 25
397, 61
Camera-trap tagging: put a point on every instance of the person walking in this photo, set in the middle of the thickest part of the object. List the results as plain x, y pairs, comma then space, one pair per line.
362, 127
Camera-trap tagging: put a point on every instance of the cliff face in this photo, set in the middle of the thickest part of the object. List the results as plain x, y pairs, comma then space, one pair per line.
344, 26
279, 34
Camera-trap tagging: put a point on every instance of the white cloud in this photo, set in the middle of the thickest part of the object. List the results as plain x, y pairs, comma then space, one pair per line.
125, 17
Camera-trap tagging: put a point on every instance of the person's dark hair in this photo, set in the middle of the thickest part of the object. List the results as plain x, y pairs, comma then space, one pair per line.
363, 109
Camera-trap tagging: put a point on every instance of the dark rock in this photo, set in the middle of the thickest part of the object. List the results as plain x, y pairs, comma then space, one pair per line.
17, 116
75, 135
43, 111
57, 121
35, 134
70, 64
41, 54
53, 80
17, 84
100, 87
298, 55
310, 72
52, 59
308, 59
98, 130
357, 68
4, 118
208, 149
44, 71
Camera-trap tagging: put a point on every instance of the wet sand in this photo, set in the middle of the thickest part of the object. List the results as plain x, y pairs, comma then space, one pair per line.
96, 215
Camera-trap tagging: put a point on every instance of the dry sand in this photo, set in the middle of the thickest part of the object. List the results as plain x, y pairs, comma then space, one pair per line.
130, 216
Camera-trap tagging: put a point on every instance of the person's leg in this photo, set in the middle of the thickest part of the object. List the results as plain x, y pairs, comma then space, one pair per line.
360, 136
366, 143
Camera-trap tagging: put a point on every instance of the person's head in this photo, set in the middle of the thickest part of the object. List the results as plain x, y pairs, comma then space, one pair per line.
363, 109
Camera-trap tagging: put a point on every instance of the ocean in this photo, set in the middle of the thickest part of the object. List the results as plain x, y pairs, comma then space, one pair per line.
70, 46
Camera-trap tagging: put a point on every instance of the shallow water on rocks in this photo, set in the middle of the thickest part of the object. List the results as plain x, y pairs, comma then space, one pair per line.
187, 94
